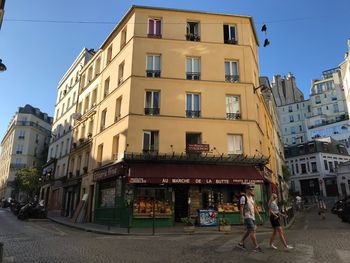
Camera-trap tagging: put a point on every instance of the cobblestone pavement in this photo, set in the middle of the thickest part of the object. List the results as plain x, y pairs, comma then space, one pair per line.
315, 241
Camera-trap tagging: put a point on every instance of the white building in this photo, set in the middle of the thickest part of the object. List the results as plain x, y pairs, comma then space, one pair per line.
343, 175
56, 169
329, 112
313, 166
23, 146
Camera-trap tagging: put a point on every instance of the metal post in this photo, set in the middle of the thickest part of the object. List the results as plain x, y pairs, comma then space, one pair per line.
1, 251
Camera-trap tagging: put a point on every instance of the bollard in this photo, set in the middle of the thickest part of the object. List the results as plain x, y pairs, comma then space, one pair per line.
1, 251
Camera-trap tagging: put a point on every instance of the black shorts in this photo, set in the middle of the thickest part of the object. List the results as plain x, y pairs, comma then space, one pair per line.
275, 222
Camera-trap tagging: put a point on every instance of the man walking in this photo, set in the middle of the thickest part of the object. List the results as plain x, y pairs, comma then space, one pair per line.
248, 210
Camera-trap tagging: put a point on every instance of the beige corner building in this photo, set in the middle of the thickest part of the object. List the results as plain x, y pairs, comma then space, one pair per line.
24, 145
174, 118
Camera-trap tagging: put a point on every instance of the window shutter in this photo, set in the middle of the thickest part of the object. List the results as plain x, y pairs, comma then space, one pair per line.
226, 32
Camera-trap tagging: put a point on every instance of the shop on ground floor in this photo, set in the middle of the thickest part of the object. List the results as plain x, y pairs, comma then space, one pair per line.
143, 194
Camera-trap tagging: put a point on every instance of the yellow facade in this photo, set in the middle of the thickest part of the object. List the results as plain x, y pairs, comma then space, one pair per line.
129, 45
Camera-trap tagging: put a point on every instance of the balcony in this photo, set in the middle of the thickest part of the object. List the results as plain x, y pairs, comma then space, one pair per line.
152, 73
152, 111
231, 41
193, 75
152, 35
231, 78
339, 118
233, 116
193, 37
193, 114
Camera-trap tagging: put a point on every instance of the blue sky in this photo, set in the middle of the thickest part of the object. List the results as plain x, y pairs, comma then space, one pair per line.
306, 36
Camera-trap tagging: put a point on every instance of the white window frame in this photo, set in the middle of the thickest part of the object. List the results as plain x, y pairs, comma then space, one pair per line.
237, 144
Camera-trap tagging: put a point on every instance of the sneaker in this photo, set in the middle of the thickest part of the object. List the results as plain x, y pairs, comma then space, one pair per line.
257, 249
241, 246
273, 246
289, 247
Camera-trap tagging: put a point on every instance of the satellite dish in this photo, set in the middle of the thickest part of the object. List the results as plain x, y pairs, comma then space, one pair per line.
76, 115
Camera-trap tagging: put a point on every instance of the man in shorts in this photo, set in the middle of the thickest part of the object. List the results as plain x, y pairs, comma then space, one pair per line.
248, 210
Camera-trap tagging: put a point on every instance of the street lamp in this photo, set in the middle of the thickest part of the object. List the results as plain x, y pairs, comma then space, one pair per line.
261, 87
2, 66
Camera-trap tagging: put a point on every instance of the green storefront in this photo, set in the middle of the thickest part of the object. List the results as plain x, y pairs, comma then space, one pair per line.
127, 193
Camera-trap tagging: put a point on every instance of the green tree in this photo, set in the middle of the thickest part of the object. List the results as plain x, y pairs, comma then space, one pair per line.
286, 172
27, 181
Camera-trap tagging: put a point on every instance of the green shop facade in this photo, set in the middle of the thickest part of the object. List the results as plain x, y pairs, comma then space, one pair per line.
143, 190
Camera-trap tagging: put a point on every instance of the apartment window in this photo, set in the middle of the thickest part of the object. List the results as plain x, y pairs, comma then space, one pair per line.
300, 128
333, 95
233, 107
290, 108
230, 34
91, 126
192, 31
123, 38
68, 103
325, 164
192, 105
73, 100
103, 119
86, 103
118, 107
121, 73
115, 147
193, 68
94, 97
152, 103
109, 54
98, 66
319, 111
61, 149
317, 99
330, 164
22, 134
292, 130
150, 141
154, 28
99, 155
296, 168
19, 149
106, 88
153, 66
335, 108
291, 118
231, 71
89, 76
82, 82
303, 168
235, 144
313, 167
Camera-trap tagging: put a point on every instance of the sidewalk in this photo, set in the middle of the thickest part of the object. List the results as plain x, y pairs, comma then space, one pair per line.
175, 230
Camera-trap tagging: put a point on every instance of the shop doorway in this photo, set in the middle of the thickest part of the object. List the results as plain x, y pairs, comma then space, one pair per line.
181, 202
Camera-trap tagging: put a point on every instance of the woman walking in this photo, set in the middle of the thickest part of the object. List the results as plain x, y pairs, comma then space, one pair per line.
275, 215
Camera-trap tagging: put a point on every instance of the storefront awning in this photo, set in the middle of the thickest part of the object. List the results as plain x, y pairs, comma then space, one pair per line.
193, 174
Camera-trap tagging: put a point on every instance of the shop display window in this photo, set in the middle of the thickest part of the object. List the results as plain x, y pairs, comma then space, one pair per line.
107, 195
143, 202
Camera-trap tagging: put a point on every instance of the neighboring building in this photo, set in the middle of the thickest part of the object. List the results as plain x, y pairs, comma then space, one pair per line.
329, 112
270, 101
293, 110
343, 176
313, 166
178, 118
55, 171
24, 145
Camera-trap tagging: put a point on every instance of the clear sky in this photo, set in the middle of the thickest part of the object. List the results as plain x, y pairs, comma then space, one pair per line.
306, 36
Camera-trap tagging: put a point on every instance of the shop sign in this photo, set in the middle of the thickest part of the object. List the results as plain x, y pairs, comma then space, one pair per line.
208, 217
197, 148
108, 172
141, 180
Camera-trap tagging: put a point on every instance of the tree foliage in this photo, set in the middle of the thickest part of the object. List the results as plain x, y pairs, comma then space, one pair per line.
286, 172
27, 181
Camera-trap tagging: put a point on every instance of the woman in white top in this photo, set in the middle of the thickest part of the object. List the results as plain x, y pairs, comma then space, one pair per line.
275, 215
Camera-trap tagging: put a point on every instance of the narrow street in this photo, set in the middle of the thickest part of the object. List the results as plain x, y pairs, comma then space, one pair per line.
315, 240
